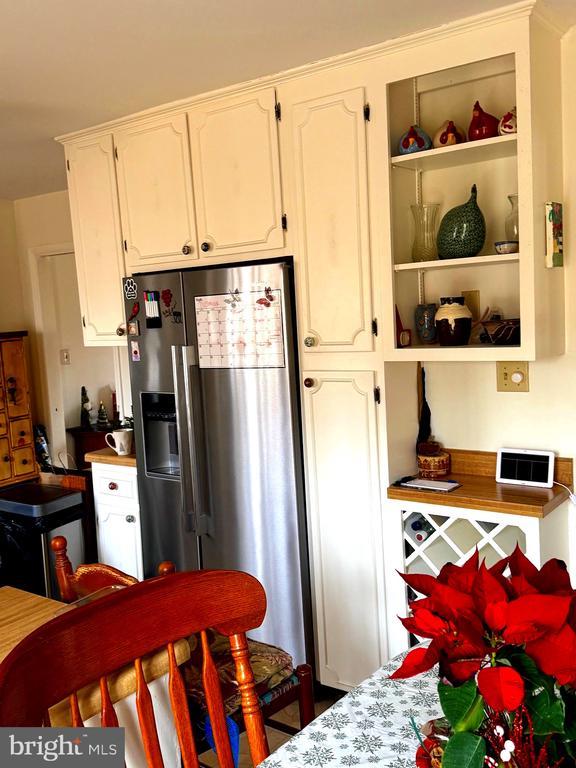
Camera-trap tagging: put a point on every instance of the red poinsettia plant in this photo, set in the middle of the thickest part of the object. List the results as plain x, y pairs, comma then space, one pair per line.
504, 638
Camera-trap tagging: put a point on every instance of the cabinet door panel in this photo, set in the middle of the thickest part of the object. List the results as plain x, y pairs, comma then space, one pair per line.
119, 542
344, 513
155, 186
331, 184
97, 238
234, 146
5, 463
16, 379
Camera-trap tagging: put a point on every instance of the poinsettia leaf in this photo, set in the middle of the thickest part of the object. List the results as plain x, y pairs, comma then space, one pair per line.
422, 583
547, 713
520, 565
487, 589
554, 578
495, 615
456, 700
502, 687
534, 679
531, 616
424, 623
450, 602
521, 586
555, 654
464, 750
460, 671
418, 660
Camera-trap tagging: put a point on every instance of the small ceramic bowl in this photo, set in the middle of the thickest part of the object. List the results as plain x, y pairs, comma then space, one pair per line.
506, 246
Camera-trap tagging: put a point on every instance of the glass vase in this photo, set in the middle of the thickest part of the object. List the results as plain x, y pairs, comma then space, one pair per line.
511, 221
424, 245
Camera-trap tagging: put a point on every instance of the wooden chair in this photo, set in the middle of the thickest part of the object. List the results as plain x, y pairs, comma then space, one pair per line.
92, 641
298, 687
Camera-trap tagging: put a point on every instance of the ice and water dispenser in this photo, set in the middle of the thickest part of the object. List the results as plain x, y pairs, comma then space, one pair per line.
160, 434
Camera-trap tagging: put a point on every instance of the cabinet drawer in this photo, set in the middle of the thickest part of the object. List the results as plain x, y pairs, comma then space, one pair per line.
23, 461
20, 432
5, 464
3, 426
111, 486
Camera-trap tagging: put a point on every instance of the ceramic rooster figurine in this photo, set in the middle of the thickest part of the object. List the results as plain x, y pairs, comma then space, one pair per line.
448, 134
483, 125
414, 140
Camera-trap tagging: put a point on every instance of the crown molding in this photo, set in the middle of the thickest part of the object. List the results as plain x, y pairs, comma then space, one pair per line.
520, 10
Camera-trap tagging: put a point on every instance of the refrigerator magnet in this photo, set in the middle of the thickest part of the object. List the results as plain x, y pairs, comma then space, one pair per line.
130, 289
152, 309
135, 310
133, 328
135, 351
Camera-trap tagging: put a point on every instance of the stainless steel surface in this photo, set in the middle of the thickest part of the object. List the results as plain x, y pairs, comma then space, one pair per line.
239, 501
46, 564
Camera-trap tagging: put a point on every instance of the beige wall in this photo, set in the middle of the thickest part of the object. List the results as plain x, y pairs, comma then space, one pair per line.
12, 313
467, 412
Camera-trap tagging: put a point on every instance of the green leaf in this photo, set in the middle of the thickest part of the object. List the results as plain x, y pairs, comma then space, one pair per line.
462, 705
543, 701
464, 750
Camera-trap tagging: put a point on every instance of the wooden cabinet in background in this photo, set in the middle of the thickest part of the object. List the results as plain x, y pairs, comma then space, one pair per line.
17, 460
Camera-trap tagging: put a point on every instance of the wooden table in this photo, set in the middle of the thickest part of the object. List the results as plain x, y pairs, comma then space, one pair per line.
21, 613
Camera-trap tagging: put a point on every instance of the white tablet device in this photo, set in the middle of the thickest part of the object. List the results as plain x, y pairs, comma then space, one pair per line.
522, 466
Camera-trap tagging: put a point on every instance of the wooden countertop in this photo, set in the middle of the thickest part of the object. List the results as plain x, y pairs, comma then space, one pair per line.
476, 472
109, 456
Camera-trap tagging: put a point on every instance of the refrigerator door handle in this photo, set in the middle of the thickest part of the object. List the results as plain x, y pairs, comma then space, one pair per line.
186, 489
194, 449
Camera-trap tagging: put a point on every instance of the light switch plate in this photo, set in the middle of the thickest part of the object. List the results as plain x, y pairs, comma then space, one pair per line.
512, 377
64, 357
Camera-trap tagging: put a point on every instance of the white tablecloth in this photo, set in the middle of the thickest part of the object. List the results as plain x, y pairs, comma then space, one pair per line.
367, 727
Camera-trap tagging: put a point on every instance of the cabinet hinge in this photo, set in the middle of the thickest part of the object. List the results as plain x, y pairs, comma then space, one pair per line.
278, 110
68, 164
116, 152
125, 246
284, 221
375, 327
367, 112
377, 395
83, 321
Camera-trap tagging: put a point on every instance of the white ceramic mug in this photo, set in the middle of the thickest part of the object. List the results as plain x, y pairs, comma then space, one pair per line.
121, 441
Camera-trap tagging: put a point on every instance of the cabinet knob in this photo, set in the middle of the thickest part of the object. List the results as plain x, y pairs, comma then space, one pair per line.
24, 461
22, 433
308, 383
205, 246
5, 458
310, 341
113, 486
186, 250
121, 330
130, 519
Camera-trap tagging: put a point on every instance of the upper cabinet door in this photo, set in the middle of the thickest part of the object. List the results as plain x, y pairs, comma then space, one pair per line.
97, 238
234, 144
155, 187
326, 152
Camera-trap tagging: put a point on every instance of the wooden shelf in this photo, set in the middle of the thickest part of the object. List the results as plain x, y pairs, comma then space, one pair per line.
470, 352
458, 154
475, 471
475, 261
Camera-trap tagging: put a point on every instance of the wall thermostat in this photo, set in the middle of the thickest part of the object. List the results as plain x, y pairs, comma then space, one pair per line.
522, 466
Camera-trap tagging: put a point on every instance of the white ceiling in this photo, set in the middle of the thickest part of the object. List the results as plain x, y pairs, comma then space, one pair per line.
70, 64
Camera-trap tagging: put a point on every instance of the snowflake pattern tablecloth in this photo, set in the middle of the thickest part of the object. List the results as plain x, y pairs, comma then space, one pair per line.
367, 727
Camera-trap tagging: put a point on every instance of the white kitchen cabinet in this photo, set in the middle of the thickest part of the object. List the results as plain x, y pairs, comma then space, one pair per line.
325, 166
97, 238
234, 146
118, 518
345, 525
155, 189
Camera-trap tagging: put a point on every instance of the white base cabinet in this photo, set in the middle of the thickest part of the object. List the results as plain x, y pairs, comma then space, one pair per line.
118, 518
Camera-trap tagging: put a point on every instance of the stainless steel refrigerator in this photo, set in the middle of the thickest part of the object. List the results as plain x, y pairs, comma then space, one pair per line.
214, 379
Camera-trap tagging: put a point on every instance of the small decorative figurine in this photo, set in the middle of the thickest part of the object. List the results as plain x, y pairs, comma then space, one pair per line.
483, 125
462, 230
448, 134
508, 123
85, 408
414, 140
102, 421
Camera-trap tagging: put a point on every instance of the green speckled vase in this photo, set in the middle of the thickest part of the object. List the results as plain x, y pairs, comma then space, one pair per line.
462, 231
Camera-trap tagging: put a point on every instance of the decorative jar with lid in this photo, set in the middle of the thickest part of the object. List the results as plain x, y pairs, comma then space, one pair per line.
453, 322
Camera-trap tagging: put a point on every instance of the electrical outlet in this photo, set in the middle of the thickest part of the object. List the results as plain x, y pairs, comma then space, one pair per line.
512, 377
64, 357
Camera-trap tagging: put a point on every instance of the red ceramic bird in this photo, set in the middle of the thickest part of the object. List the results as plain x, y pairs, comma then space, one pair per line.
483, 125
